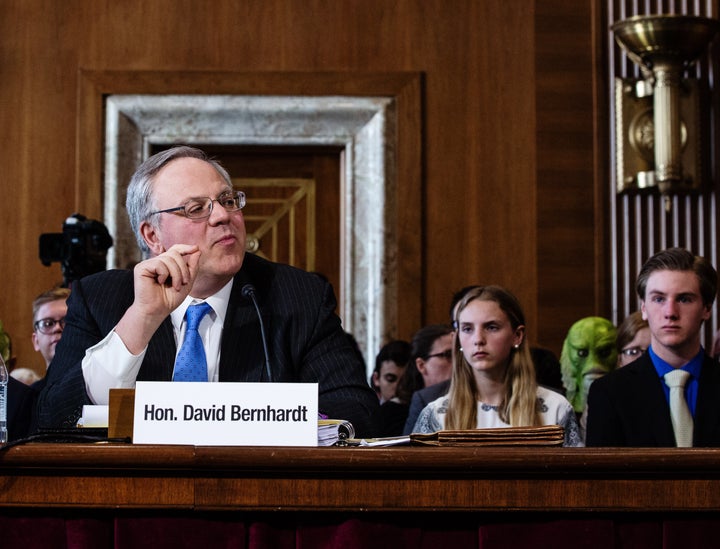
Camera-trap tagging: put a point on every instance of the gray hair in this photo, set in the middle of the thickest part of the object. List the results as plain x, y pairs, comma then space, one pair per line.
140, 203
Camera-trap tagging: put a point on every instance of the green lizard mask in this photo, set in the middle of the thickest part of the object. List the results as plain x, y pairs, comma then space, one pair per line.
588, 353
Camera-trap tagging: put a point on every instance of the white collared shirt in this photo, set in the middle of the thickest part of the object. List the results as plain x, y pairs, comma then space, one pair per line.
109, 365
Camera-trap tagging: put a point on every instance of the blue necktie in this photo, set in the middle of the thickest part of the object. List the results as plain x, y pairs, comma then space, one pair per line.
191, 364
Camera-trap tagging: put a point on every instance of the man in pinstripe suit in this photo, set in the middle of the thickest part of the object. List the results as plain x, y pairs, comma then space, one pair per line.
124, 326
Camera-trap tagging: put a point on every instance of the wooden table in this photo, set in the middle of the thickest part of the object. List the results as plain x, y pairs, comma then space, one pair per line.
418, 479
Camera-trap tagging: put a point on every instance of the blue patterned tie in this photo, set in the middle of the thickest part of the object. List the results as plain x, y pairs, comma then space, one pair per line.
191, 364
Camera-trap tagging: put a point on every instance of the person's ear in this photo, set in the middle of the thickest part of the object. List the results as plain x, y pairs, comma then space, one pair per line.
519, 335
708, 312
643, 311
151, 237
420, 363
36, 346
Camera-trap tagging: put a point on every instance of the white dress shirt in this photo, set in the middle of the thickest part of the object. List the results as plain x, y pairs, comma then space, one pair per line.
109, 365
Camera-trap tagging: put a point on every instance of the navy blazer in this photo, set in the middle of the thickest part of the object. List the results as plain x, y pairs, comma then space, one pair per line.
20, 409
420, 399
628, 407
305, 339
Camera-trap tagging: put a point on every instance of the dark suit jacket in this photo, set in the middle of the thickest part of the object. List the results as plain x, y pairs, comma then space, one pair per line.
420, 399
390, 418
305, 339
628, 407
20, 409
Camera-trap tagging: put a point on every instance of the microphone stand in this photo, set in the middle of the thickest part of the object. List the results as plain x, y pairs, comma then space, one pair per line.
248, 292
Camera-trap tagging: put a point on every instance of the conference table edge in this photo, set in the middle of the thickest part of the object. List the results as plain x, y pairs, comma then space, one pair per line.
359, 479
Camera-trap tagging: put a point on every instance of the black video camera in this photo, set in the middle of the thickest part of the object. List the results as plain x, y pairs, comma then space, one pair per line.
81, 248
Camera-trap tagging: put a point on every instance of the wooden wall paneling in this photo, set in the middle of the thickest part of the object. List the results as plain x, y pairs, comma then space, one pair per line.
508, 239
567, 216
403, 87
639, 225
483, 91
37, 123
480, 183
601, 152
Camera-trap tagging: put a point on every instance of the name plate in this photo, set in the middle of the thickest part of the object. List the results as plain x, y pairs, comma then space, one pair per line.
226, 414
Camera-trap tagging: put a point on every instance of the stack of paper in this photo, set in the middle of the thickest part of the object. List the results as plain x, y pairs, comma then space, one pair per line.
384, 441
334, 431
546, 435
94, 416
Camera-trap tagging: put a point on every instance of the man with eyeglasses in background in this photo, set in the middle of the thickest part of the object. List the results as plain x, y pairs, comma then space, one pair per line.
127, 326
49, 310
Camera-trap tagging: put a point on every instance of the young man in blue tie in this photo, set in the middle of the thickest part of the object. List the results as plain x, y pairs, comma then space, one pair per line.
642, 404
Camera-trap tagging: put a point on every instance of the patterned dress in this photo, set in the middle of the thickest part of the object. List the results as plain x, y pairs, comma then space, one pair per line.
554, 410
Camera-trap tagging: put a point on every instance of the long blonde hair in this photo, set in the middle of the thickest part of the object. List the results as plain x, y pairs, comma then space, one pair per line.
519, 404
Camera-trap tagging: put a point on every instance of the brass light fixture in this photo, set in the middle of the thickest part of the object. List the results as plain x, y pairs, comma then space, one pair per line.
658, 116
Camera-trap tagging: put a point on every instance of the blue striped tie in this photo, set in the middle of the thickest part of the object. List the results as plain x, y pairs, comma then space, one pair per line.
191, 364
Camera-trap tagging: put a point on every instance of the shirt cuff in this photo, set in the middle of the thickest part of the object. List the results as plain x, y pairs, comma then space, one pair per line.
109, 365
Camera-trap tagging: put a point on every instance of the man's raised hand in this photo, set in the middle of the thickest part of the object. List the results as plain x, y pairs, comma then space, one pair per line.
161, 284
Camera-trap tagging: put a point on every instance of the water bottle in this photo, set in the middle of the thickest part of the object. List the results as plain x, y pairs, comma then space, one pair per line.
3, 402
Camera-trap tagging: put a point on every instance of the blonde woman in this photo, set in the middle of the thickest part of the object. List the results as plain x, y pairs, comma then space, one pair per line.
493, 380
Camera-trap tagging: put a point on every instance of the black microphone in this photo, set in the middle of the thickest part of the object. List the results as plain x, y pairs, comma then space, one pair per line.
248, 292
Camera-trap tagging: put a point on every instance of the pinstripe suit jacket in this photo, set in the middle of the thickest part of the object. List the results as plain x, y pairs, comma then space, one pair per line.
305, 339
628, 407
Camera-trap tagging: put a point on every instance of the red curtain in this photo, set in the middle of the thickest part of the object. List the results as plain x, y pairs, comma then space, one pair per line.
286, 530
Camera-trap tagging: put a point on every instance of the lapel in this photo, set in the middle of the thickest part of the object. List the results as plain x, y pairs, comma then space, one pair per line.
655, 410
707, 410
160, 357
241, 353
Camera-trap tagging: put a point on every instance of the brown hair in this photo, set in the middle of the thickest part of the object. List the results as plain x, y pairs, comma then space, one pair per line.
54, 294
680, 259
630, 326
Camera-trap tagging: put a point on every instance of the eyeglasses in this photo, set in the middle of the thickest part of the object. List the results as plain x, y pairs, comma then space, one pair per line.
47, 325
633, 351
447, 355
201, 207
